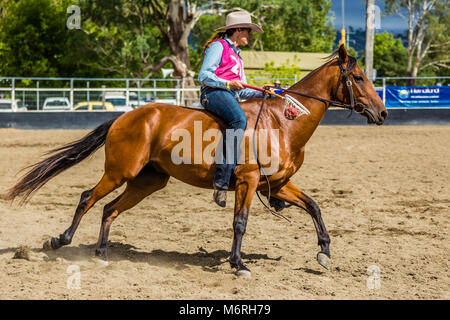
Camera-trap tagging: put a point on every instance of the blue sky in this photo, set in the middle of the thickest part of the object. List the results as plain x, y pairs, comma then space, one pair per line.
355, 11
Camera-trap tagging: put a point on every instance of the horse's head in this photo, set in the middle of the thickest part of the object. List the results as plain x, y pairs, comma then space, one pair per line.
354, 88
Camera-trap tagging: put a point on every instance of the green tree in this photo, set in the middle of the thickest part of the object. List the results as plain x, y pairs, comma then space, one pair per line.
136, 38
34, 40
202, 31
290, 25
390, 56
428, 33
123, 37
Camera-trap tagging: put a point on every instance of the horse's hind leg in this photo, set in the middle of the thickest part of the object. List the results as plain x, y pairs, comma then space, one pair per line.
293, 195
88, 199
147, 182
126, 153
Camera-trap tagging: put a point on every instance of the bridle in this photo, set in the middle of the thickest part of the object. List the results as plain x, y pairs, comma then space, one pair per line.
344, 75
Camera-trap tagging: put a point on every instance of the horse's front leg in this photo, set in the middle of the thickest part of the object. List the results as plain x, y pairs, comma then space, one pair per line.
245, 189
293, 195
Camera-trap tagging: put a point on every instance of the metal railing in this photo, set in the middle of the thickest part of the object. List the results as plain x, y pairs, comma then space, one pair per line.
28, 93
31, 95
35, 98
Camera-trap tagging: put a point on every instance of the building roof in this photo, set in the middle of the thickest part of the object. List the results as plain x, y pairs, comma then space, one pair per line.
307, 61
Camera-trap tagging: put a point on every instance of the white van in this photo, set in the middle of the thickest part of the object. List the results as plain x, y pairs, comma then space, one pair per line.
56, 104
6, 105
119, 101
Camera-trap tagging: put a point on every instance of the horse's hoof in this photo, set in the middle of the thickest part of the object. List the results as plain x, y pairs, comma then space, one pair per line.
323, 260
47, 246
243, 273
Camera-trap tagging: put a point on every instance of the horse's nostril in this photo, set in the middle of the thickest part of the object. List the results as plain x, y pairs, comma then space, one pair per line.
384, 114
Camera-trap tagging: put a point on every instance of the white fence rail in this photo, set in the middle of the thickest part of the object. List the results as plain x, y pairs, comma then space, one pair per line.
34, 98
134, 92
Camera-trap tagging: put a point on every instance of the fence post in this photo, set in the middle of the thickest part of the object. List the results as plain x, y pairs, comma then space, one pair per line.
13, 96
139, 92
71, 94
384, 91
103, 94
183, 100
88, 95
178, 92
37, 95
127, 94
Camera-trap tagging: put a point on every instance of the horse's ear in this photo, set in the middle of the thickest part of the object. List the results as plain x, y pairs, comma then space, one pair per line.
343, 54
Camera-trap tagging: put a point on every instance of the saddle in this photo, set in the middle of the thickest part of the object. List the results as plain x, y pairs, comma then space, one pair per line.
197, 106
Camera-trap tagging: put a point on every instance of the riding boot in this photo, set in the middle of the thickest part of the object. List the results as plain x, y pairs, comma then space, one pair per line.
220, 184
220, 197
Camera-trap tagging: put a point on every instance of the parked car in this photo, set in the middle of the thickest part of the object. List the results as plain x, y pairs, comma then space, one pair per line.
94, 106
119, 102
168, 101
138, 101
7, 106
56, 103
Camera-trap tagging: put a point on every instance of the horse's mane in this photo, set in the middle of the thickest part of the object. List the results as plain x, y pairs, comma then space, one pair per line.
334, 55
329, 59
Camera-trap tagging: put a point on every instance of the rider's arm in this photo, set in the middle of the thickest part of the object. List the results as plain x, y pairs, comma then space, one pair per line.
212, 60
248, 93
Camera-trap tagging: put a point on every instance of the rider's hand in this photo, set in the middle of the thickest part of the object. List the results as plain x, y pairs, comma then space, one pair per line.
268, 87
235, 85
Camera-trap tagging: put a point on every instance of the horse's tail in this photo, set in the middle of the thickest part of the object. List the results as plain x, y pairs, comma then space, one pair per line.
66, 157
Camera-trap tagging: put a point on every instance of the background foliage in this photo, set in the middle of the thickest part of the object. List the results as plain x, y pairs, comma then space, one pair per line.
127, 38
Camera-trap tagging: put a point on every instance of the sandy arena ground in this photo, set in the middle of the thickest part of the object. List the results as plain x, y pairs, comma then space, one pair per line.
385, 199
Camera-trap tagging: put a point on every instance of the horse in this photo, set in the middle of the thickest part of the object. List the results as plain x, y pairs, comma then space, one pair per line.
138, 152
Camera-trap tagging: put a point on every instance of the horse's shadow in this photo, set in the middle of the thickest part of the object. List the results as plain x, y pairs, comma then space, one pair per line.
209, 261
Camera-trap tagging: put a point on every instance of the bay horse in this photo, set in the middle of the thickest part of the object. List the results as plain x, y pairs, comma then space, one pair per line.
138, 152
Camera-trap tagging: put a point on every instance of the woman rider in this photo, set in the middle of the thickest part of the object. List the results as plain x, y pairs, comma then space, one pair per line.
221, 77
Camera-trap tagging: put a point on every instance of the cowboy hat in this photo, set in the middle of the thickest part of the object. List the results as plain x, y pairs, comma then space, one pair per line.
240, 19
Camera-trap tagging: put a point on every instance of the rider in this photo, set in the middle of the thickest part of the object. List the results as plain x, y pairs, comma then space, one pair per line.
222, 77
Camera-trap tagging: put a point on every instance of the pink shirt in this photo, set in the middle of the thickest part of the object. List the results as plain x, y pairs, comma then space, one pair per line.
232, 67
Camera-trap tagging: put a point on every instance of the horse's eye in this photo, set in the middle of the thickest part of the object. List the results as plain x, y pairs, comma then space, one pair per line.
358, 78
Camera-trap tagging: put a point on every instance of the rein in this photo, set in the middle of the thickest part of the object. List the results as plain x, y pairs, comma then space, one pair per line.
343, 78
259, 164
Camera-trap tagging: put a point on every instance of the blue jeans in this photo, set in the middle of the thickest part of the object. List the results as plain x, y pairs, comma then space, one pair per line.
224, 104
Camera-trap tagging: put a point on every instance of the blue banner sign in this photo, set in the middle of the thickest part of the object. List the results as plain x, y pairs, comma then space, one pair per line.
417, 97
380, 92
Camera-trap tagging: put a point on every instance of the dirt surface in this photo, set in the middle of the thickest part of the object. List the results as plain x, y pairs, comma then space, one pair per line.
385, 199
